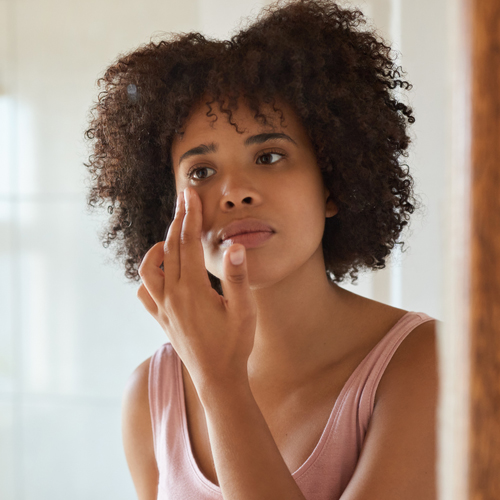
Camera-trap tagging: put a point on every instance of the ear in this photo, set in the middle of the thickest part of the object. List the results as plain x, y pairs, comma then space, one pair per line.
330, 207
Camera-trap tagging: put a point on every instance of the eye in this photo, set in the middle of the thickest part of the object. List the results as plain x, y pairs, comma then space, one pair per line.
193, 171
198, 169
270, 153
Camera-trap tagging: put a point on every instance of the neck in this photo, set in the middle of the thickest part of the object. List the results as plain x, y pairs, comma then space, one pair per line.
299, 324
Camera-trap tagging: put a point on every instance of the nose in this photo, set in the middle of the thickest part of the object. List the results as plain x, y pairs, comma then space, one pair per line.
239, 194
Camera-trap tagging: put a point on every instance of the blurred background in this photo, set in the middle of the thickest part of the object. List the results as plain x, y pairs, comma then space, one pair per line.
71, 327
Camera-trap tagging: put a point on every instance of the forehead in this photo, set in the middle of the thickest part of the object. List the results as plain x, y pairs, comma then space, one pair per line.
199, 126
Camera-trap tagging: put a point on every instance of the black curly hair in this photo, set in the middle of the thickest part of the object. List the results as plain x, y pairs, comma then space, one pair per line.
340, 81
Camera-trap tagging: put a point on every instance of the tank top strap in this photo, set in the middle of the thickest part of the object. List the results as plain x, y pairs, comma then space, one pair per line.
330, 467
162, 391
372, 368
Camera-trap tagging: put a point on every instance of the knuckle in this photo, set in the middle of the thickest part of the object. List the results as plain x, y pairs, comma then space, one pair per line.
164, 315
142, 269
169, 248
237, 278
171, 296
179, 295
169, 300
186, 238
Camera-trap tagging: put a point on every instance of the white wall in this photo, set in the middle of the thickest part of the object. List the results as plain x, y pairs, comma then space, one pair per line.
413, 280
71, 327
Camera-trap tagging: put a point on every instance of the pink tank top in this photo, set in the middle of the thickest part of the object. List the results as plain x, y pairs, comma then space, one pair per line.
329, 468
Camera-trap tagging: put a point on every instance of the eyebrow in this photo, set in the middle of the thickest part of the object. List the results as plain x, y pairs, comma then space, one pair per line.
204, 149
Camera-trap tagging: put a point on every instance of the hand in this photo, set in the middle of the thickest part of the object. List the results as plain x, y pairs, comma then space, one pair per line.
213, 335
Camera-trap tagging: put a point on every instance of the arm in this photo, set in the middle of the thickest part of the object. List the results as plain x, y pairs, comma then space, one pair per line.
137, 434
214, 335
249, 465
398, 459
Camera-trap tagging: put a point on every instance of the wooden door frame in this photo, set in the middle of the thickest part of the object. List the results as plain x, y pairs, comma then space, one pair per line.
484, 430
469, 412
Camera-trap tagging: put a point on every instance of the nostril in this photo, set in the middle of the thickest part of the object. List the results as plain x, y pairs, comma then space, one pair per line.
248, 201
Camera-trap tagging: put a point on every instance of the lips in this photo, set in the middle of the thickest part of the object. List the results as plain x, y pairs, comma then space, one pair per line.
244, 226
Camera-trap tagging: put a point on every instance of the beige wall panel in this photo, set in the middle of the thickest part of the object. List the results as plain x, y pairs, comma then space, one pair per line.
61, 48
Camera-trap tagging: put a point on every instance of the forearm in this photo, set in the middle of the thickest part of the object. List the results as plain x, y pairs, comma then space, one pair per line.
248, 463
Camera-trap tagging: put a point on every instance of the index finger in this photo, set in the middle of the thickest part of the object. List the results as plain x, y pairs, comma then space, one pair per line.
171, 258
191, 249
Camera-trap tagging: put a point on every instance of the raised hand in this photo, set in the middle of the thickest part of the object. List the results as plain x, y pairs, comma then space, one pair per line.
213, 335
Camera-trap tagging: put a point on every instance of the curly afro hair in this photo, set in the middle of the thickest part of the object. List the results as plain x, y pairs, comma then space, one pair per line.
340, 81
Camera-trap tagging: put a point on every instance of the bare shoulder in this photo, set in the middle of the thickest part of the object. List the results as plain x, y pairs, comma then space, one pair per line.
414, 362
137, 433
398, 458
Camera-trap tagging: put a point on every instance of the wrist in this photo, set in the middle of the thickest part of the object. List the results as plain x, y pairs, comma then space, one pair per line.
214, 392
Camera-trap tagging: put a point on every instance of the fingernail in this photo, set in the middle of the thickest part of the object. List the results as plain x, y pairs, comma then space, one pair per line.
237, 257
186, 196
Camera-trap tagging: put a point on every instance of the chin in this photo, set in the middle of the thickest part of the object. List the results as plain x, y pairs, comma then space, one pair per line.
264, 269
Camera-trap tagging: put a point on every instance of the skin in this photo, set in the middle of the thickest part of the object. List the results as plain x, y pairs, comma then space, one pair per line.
280, 319
287, 273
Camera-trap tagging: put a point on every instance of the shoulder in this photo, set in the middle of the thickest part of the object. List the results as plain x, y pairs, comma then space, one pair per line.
137, 433
139, 376
135, 396
413, 362
398, 458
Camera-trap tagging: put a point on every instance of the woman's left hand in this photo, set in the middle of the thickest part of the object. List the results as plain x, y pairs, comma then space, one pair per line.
213, 335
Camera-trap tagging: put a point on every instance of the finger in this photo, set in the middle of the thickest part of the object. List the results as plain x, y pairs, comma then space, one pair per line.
191, 249
152, 276
171, 262
147, 301
236, 286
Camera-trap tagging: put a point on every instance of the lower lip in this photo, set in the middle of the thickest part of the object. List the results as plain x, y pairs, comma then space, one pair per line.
249, 240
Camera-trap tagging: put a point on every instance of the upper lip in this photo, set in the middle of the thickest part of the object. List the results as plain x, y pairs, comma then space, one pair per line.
243, 226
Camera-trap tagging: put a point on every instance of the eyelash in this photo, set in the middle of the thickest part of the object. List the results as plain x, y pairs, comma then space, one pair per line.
194, 169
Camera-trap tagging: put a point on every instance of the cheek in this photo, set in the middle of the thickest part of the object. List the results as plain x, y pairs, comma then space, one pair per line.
298, 211
305, 212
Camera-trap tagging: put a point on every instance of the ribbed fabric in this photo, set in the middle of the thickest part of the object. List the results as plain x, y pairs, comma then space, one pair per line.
329, 468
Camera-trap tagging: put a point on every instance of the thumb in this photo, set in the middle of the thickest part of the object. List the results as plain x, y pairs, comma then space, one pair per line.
235, 285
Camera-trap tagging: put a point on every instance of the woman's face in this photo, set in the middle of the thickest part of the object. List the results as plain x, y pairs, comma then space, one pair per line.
273, 179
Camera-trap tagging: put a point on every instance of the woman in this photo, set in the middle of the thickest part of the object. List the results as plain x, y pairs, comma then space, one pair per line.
278, 153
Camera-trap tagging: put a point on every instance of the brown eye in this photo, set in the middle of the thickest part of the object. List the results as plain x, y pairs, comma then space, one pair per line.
198, 177
268, 154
